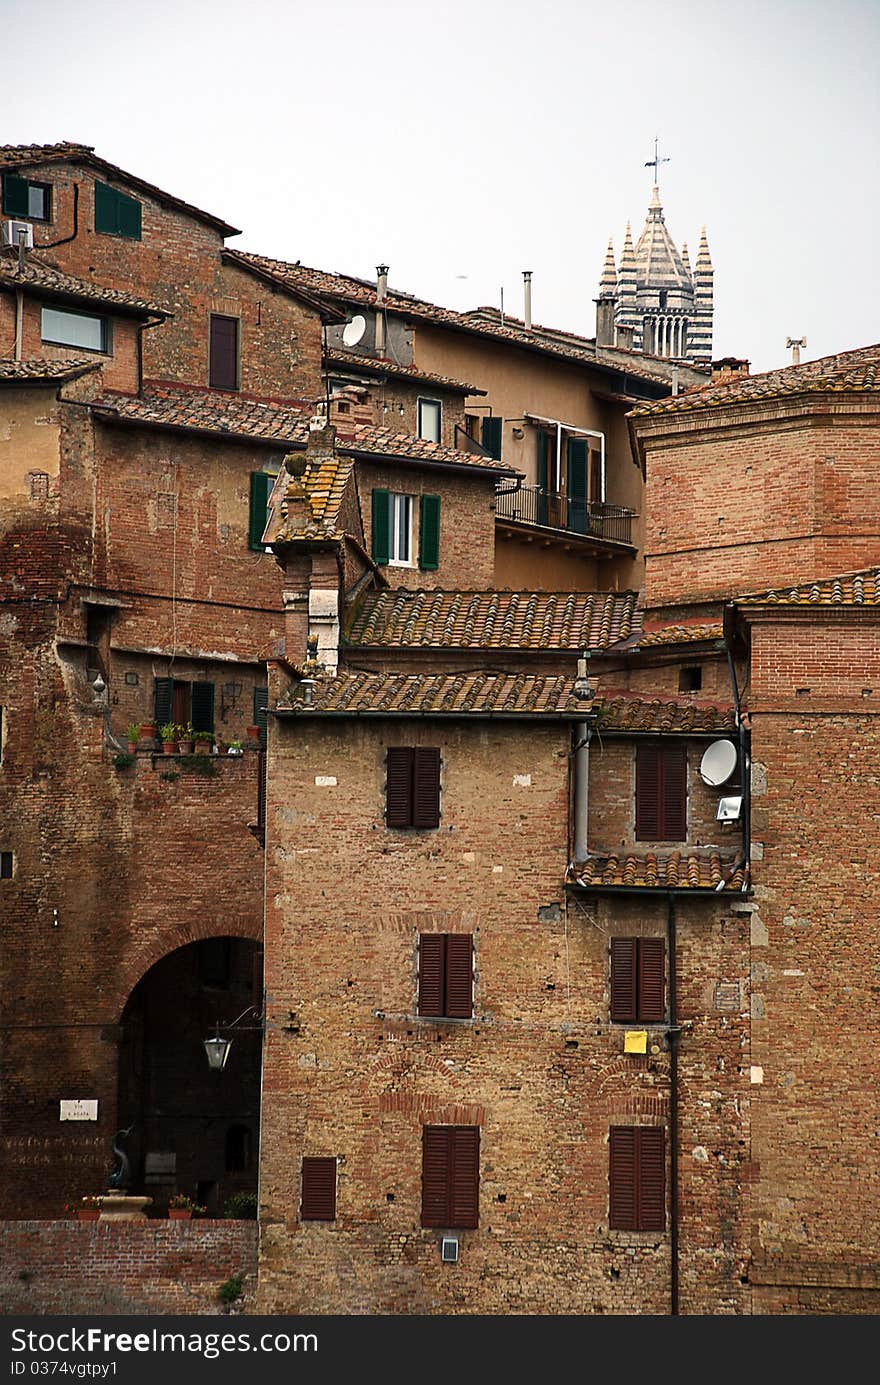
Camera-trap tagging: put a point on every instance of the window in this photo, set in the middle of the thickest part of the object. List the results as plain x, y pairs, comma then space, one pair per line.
5, 865
491, 438
239, 1149
661, 793
412, 790
637, 1178
450, 1175
392, 530
261, 703
429, 419
82, 330
262, 483
318, 1190
446, 975
223, 368
23, 198
638, 977
690, 679
116, 214
183, 702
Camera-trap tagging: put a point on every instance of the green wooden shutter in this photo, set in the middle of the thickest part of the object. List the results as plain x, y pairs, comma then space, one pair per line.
128, 216
492, 436
429, 533
381, 524
106, 220
164, 700
203, 706
15, 195
261, 487
261, 719
577, 485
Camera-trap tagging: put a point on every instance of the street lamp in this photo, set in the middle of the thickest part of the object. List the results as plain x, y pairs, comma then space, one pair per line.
217, 1048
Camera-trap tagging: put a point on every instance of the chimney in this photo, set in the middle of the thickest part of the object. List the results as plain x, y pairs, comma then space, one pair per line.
794, 344
625, 337
728, 368
527, 299
381, 294
605, 310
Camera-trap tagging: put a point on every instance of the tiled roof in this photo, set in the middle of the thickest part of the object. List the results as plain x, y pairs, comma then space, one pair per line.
450, 694
37, 370
493, 619
321, 488
682, 634
860, 588
43, 278
480, 321
629, 712
849, 372
373, 366
674, 871
265, 421
21, 156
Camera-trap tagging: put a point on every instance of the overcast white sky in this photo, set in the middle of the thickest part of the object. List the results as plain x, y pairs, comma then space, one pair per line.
464, 142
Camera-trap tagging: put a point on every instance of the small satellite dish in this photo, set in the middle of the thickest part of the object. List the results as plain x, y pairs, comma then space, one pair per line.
354, 330
718, 763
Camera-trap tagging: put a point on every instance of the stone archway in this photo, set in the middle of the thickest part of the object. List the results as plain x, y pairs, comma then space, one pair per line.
194, 1131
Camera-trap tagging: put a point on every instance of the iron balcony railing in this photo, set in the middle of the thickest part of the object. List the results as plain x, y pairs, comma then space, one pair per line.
534, 505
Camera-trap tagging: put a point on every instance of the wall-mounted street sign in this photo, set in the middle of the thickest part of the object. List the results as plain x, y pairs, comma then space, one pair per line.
78, 1110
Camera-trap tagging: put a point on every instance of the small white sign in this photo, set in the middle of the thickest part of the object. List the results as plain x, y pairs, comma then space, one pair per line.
325, 781
78, 1110
522, 781
756, 1075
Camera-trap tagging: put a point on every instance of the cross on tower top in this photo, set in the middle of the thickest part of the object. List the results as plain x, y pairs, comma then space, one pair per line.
656, 161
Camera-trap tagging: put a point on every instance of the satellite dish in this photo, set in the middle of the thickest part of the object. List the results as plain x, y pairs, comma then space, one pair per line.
354, 330
718, 763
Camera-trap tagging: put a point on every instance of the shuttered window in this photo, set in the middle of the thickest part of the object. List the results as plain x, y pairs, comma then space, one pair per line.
202, 712
116, 214
429, 533
491, 436
661, 793
318, 1201
261, 716
638, 975
450, 1176
163, 700
182, 702
23, 198
446, 975
223, 373
412, 787
261, 489
637, 1178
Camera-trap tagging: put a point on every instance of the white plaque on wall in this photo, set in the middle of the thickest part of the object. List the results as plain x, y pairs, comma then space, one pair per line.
79, 1110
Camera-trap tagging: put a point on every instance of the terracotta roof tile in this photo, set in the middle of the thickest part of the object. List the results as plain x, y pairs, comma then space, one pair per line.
628, 712
682, 634
43, 278
675, 870
44, 370
372, 365
493, 620
452, 694
319, 490
860, 588
849, 372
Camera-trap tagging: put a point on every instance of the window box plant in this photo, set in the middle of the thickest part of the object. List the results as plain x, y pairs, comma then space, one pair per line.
168, 737
185, 735
87, 1209
134, 734
148, 731
182, 1208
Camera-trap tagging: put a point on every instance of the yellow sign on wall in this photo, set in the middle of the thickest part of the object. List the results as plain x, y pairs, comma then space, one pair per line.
635, 1041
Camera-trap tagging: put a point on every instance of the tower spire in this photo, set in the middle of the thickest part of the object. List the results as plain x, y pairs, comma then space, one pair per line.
608, 281
627, 288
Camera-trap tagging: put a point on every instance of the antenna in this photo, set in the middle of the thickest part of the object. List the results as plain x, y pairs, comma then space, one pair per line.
354, 330
718, 763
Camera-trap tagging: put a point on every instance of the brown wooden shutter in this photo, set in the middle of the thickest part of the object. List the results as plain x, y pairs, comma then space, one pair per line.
648, 793
651, 1178
432, 948
651, 980
623, 980
318, 1190
459, 976
435, 1175
464, 1180
622, 1208
426, 787
674, 794
398, 787
224, 353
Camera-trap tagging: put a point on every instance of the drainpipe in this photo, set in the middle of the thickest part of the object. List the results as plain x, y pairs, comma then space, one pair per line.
673, 1034
381, 292
583, 733
19, 322
527, 297
745, 762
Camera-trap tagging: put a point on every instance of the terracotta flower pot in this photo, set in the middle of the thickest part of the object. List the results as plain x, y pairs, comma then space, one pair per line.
185, 747
179, 1214
88, 1213
170, 747
148, 730
132, 747
203, 747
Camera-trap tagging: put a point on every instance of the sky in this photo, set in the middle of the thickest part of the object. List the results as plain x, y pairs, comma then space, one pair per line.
461, 143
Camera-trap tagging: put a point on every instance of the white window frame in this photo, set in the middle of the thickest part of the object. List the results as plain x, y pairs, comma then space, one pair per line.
435, 404
400, 517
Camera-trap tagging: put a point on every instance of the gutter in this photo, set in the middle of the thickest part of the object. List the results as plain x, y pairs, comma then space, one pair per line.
299, 713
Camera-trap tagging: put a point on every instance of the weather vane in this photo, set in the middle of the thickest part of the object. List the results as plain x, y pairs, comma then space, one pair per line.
656, 161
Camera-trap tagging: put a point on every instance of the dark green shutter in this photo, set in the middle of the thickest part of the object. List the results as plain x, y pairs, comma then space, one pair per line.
381, 517
15, 195
429, 533
543, 475
261, 486
577, 485
203, 706
164, 700
129, 217
492, 436
261, 702
105, 210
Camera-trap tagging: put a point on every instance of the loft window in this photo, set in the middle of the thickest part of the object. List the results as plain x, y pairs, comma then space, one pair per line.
23, 198
87, 333
223, 368
637, 1178
6, 864
451, 1176
661, 793
318, 1198
690, 679
446, 975
116, 214
412, 787
638, 980
429, 419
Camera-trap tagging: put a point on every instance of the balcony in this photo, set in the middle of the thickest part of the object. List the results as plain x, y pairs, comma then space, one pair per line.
532, 505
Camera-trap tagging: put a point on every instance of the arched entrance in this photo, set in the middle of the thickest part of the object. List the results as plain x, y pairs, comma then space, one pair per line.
195, 1131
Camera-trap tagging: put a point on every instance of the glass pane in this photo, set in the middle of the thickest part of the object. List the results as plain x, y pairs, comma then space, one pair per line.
429, 420
37, 202
73, 329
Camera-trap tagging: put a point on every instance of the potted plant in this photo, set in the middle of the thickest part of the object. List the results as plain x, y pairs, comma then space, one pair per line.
148, 731
235, 748
182, 1208
134, 734
203, 742
168, 737
185, 736
87, 1209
